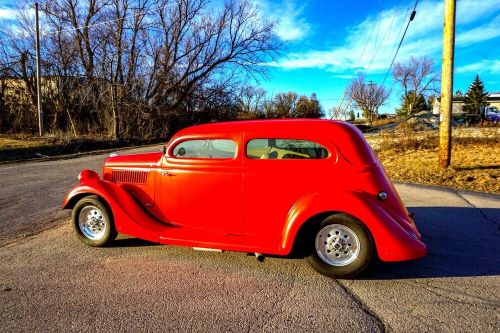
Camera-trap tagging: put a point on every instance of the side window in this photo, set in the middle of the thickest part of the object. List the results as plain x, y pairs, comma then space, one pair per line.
285, 149
205, 148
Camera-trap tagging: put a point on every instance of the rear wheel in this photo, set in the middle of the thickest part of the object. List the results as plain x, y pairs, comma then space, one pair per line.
93, 222
343, 247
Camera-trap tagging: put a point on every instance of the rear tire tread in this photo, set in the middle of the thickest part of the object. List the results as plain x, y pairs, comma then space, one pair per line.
359, 264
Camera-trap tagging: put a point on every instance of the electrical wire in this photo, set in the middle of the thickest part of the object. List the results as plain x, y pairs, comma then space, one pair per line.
383, 38
398, 36
364, 48
357, 65
412, 16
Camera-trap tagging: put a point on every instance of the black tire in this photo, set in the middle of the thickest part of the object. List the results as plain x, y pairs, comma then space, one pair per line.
93, 221
332, 251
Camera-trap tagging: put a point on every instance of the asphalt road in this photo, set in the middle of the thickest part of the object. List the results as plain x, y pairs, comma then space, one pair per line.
52, 282
32, 192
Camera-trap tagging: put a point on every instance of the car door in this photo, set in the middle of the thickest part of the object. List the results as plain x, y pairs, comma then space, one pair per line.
276, 174
201, 183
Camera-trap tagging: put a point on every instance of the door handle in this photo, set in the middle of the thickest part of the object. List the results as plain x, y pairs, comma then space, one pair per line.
166, 173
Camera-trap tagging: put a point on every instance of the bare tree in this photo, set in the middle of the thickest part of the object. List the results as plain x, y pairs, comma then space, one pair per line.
194, 46
284, 105
139, 67
367, 97
292, 105
250, 102
417, 78
308, 108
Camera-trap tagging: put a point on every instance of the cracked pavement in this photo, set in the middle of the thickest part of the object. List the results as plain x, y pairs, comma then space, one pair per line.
51, 282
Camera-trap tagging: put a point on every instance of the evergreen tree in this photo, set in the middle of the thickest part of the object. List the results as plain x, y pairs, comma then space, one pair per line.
420, 104
476, 97
352, 117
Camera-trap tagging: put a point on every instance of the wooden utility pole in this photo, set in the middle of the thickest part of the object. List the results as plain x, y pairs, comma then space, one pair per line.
114, 111
447, 84
38, 89
370, 99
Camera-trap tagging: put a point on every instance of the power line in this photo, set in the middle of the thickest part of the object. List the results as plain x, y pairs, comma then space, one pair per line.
357, 65
386, 33
364, 48
412, 16
374, 55
400, 28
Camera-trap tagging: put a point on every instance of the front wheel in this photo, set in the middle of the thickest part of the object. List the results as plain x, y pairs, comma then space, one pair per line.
343, 247
93, 222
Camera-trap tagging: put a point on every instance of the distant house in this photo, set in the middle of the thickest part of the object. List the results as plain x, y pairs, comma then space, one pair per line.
458, 103
16, 87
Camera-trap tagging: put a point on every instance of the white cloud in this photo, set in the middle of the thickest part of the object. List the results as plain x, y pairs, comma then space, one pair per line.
291, 25
472, 10
484, 66
484, 32
424, 37
8, 14
343, 76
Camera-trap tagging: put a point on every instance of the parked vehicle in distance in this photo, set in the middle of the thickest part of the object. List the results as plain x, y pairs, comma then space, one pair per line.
492, 114
264, 187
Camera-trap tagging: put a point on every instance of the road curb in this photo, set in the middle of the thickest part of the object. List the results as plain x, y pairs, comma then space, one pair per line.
491, 195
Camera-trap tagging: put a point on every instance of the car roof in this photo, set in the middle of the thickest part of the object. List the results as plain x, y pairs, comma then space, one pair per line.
316, 126
346, 136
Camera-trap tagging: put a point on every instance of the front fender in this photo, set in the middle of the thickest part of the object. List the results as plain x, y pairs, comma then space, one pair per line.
392, 241
129, 217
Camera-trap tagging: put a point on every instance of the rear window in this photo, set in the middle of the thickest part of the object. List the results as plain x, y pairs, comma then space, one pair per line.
274, 148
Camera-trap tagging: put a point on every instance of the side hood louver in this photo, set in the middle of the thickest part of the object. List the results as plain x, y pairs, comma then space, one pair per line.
130, 176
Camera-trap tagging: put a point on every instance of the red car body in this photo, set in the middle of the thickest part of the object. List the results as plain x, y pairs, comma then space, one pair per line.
241, 203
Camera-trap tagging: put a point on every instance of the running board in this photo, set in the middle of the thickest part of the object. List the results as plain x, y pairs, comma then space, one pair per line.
206, 249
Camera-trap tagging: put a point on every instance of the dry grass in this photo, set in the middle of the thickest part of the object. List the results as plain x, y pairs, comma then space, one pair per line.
413, 157
380, 122
20, 147
11, 143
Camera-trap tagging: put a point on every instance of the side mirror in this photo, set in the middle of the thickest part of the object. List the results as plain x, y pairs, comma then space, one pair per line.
164, 150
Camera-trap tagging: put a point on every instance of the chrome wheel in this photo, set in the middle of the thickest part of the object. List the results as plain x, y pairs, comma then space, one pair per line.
337, 245
92, 222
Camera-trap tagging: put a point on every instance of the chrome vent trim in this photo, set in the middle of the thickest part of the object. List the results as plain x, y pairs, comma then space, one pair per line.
130, 176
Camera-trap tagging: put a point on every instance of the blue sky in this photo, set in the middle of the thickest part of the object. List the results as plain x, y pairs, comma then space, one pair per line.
327, 42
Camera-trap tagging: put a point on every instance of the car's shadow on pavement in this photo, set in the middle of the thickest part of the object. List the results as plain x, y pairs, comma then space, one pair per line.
131, 242
461, 242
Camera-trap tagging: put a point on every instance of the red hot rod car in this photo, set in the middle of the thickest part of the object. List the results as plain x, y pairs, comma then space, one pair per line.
265, 186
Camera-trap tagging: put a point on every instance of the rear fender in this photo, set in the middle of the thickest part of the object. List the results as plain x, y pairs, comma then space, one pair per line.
392, 241
129, 217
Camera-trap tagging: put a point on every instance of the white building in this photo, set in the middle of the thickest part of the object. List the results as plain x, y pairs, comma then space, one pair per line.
458, 103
